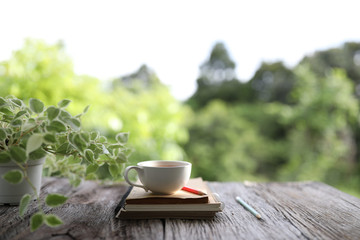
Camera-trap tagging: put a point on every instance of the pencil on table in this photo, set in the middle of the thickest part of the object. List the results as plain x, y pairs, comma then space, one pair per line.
248, 207
198, 192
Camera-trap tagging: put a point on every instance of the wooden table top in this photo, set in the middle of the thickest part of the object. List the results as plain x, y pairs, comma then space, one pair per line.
300, 210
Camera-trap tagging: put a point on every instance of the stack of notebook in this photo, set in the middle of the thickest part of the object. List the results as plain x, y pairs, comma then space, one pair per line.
138, 204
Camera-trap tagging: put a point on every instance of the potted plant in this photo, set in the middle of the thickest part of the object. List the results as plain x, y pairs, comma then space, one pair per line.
29, 133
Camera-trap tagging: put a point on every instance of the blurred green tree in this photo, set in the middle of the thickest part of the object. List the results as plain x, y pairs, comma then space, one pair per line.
346, 57
217, 80
219, 67
156, 120
230, 142
272, 82
320, 136
311, 139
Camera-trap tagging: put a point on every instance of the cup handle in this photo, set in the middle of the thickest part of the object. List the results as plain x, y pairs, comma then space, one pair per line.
138, 169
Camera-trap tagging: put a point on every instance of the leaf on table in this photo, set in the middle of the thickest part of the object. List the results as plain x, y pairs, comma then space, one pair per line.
24, 203
36, 221
52, 220
54, 200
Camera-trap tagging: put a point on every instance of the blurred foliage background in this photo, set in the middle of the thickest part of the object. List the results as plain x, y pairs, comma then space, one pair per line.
281, 125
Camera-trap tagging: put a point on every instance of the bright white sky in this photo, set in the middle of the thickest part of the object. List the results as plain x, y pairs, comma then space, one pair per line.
108, 39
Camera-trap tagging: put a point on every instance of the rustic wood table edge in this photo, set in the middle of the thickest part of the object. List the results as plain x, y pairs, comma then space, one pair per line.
290, 210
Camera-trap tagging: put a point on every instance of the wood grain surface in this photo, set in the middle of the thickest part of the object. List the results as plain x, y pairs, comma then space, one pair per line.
304, 210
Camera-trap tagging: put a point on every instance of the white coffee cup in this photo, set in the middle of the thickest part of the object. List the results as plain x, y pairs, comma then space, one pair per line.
161, 176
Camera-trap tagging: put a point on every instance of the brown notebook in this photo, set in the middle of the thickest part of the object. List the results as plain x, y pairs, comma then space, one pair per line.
139, 196
162, 215
179, 205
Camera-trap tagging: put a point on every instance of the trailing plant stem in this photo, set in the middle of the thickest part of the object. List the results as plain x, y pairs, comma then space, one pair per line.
26, 177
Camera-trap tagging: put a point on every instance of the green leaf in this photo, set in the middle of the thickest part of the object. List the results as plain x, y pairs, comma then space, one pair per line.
5, 157
7, 118
122, 137
85, 136
18, 154
24, 203
2, 134
102, 139
76, 122
73, 160
52, 220
91, 168
8, 131
54, 200
116, 146
17, 102
28, 125
94, 135
2, 101
96, 148
14, 176
64, 114
63, 149
121, 158
16, 123
89, 155
34, 142
36, 105
36, 221
64, 103
6, 111
20, 113
114, 170
105, 158
73, 123
78, 142
86, 109
52, 112
37, 154
56, 126
49, 138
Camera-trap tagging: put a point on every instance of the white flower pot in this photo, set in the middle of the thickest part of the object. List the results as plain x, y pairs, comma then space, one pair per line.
12, 193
